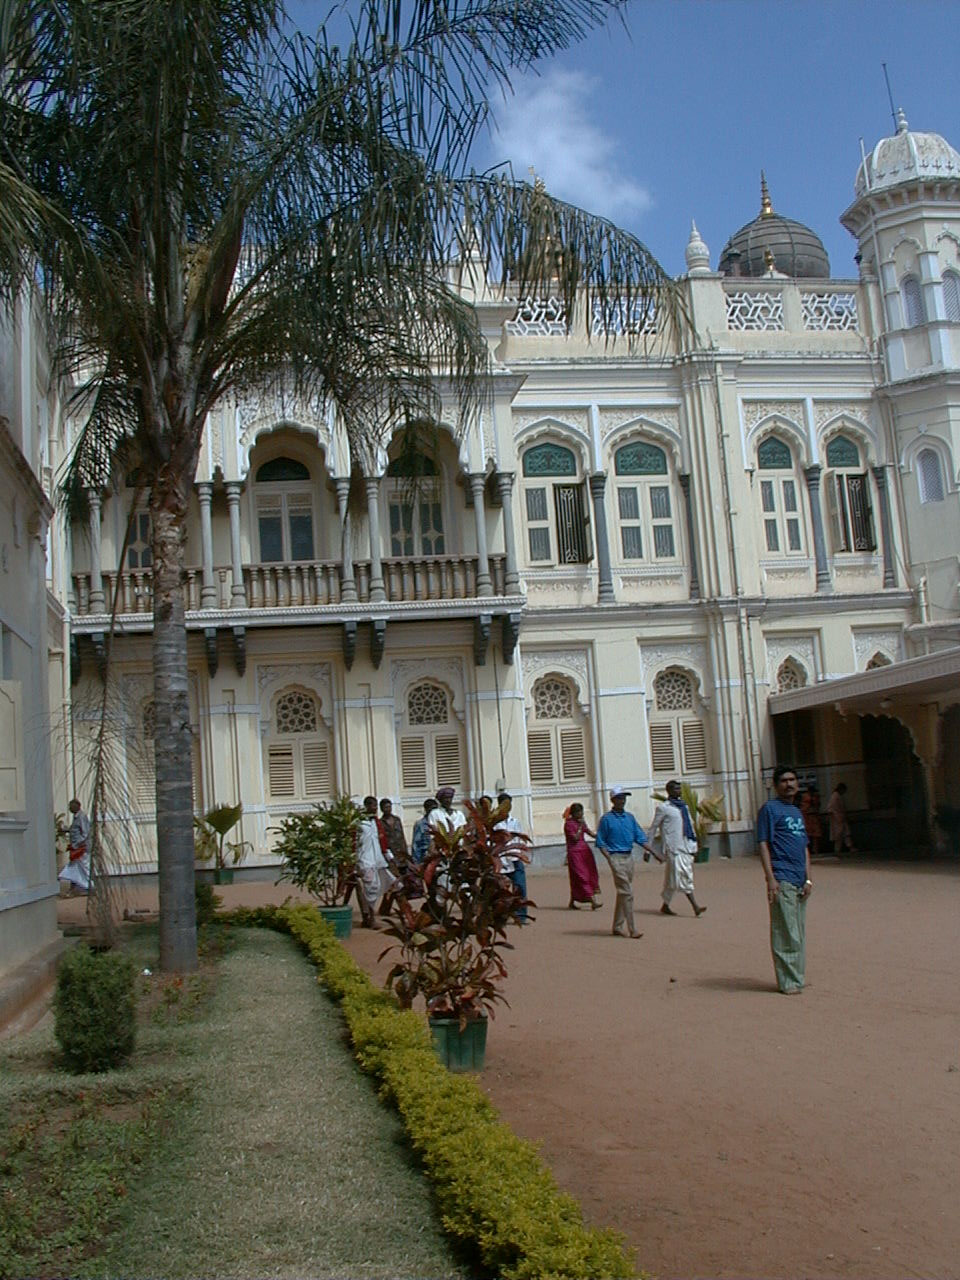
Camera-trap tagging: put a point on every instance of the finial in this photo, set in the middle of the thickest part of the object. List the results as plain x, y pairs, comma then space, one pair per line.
902, 125
538, 183
768, 261
697, 253
766, 208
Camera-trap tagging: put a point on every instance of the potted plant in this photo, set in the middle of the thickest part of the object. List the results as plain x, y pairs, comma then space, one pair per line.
317, 848
210, 840
705, 812
451, 939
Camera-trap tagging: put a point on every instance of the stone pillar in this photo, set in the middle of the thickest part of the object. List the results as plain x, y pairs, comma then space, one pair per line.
377, 592
505, 494
97, 602
684, 479
348, 584
208, 590
477, 484
598, 483
238, 596
812, 477
886, 528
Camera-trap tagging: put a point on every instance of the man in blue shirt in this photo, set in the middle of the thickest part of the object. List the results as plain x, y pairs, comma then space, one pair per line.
785, 855
617, 833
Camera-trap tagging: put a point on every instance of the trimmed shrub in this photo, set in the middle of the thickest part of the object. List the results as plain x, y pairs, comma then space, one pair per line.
94, 1009
207, 902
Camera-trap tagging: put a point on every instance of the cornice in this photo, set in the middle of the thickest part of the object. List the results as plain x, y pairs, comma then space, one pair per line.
11, 454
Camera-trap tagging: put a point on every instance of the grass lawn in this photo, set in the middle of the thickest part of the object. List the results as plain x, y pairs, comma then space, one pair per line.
241, 1140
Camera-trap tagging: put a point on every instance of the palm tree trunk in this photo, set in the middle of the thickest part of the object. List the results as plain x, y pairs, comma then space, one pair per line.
174, 736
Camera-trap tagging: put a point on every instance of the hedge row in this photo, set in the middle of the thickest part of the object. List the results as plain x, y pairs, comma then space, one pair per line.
495, 1195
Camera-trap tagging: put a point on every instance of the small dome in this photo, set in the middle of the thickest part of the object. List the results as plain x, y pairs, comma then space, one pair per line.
794, 248
906, 157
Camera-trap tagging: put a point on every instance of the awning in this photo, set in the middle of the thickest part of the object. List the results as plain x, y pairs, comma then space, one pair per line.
933, 677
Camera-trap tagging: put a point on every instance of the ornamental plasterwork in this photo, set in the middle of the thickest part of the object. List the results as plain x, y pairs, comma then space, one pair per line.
750, 311
216, 438
755, 411
615, 319
690, 657
264, 413
867, 643
829, 311
570, 662
801, 649
447, 671
665, 417
313, 675
538, 318
825, 411
655, 578
576, 418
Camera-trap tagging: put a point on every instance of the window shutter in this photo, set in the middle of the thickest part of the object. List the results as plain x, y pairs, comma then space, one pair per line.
316, 769
573, 760
694, 746
145, 788
662, 755
540, 751
447, 756
833, 512
12, 793
196, 779
280, 771
413, 764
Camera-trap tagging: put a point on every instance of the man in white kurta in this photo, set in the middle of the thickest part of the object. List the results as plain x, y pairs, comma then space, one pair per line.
445, 817
77, 871
673, 828
372, 867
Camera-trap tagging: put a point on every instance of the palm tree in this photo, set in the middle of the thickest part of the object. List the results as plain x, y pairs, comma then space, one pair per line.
216, 202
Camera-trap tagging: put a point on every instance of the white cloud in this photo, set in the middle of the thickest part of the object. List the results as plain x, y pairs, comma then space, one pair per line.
546, 124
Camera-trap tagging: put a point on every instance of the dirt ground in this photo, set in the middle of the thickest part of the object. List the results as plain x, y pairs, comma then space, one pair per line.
725, 1129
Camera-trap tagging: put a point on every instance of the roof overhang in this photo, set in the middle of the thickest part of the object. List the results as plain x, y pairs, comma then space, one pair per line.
933, 678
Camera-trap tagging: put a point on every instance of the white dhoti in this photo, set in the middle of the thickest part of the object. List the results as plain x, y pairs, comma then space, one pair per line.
678, 851
77, 874
677, 874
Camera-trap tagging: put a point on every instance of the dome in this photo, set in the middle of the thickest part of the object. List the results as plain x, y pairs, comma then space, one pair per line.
906, 157
795, 250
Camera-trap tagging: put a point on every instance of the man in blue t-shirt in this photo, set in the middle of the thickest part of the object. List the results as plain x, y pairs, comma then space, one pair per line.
617, 833
785, 855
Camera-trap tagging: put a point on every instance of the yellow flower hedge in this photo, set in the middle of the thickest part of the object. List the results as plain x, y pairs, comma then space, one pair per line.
496, 1197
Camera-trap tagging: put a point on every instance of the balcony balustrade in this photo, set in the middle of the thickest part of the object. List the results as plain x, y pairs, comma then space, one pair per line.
309, 583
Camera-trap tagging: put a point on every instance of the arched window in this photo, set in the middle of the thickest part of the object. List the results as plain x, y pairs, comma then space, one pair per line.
951, 296
644, 503
554, 506
678, 741
414, 506
779, 498
430, 746
849, 503
284, 506
298, 750
930, 476
912, 295
878, 660
790, 675
556, 743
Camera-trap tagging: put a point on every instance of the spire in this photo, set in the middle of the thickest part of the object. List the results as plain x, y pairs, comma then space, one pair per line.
902, 126
766, 208
697, 253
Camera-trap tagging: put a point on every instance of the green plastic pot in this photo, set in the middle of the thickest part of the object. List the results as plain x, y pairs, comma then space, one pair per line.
340, 917
703, 854
223, 875
460, 1050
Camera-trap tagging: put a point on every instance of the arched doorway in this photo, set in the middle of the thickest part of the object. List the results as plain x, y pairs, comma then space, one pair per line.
896, 790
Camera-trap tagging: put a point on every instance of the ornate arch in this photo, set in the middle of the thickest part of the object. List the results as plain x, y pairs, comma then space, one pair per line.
401, 712
843, 423
647, 429
700, 700
923, 440
550, 428
444, 671
317, 436
776, 424
315, 678
559, 668
791, 674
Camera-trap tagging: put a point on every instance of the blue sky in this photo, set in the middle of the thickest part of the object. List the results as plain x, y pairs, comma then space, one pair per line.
675, 117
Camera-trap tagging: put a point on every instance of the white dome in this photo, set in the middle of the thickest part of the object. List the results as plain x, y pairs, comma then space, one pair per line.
906, 157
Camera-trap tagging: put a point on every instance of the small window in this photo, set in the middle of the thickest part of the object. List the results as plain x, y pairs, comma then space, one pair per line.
913, 309
678, 742
930, 476
779, 499
645, 508
430, 749
951, 296
139, 548
791, 675
848, 498
556, 747
556, 513
299, 757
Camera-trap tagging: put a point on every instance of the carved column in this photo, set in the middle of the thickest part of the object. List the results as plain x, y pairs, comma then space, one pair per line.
886, 528
505, 494
598, 483
477, 484
684, 479
208, 590
238, 596
348, 585
373, 519
812, 477
97, 603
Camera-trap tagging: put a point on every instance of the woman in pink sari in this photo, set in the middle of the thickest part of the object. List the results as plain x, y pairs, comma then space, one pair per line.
581, 867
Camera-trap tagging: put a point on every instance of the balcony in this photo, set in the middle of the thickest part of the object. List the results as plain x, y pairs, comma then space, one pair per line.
313, 584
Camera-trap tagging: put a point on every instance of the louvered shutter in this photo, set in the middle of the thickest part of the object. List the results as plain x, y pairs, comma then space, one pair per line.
280, 773
835, 513
447, 757
12, 791
662, 755
316, 770
694, 746
196, 779
145, 787
573, 760
540, 751
413, 764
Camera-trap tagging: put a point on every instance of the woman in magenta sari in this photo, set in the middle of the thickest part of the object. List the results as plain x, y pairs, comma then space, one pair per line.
581, 867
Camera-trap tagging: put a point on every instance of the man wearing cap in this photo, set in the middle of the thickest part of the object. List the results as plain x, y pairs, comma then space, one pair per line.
445, 817
617, 833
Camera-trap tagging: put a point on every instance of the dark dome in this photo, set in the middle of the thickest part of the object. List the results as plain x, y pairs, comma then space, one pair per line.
795, 249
